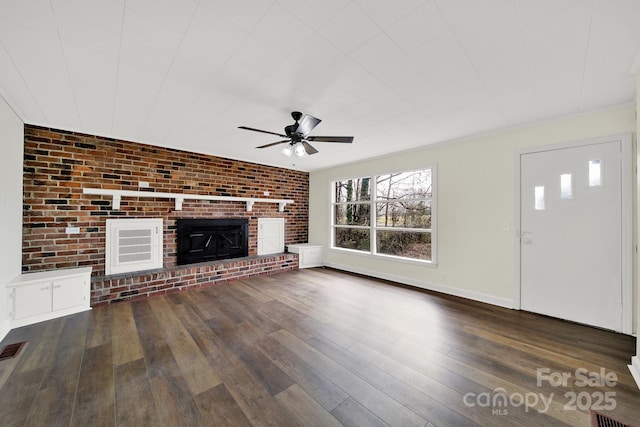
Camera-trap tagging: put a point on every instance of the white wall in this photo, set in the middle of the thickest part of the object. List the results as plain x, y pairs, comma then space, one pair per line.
475, 204
11, 160
637, 294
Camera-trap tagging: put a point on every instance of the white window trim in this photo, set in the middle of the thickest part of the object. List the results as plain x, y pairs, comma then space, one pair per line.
372, 253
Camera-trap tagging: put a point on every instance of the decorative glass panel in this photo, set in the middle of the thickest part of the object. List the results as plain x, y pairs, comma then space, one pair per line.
538, 198
566, 186
595, 173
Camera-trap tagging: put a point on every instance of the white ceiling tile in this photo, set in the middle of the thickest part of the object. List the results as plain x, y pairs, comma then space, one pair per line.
16, 93
350, 28
436, 53
376, 52
280, 29
459, 13
148, 45
314, 14
255, 53
195, 64
241, 13
216, 31
518, 107
49, 85
174, 14
317, 53
384, 15
421, 26
94, 85
136, 91
205, 108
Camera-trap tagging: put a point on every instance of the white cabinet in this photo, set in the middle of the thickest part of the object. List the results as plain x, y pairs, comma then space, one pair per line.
308, 255
35, 297
270, 235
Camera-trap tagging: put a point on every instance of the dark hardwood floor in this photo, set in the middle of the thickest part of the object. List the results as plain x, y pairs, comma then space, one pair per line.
314, 347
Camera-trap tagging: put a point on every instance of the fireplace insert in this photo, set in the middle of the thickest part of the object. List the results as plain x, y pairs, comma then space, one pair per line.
201, 240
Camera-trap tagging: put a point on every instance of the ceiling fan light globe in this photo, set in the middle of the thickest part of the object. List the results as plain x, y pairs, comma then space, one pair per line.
287, 150
299, 150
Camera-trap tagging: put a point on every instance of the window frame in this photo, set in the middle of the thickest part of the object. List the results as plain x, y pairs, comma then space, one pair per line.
373, 228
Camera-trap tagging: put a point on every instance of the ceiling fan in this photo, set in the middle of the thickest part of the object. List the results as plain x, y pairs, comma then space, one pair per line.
298, 137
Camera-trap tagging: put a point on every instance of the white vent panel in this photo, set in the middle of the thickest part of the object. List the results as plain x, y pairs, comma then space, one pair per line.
133, 244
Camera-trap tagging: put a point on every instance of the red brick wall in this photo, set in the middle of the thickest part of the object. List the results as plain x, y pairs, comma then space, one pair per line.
59, 164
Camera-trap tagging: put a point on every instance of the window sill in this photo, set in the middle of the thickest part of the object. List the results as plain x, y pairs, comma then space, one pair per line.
369, 255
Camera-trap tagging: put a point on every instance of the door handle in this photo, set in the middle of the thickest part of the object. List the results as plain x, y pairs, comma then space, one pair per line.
524, 237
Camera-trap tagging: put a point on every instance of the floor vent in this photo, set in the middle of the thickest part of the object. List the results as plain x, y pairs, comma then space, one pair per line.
601, 420
11, 350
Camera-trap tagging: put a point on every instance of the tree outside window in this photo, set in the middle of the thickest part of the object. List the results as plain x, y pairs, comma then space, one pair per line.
396, 221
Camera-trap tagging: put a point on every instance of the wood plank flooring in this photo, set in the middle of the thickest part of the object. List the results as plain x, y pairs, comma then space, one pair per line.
313, 347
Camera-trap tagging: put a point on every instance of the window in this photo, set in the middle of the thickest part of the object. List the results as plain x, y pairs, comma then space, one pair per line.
538, 194
566, 186
595, 173
388, 214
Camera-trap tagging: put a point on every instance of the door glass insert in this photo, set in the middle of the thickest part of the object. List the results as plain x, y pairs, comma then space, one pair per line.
595, 173
538, 194
566, 187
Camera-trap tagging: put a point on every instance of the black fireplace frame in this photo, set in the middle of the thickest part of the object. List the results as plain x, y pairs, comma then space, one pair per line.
211, 239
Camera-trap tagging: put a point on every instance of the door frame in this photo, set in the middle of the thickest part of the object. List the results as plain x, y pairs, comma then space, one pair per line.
627, 250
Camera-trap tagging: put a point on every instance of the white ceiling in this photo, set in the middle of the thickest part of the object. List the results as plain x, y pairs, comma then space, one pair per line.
394, 74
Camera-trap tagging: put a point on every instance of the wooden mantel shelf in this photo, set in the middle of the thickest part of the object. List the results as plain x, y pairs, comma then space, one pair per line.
179, 198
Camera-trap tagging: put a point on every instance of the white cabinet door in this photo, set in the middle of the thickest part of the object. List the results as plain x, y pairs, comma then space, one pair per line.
69, 292
311, 257
31, 300
270, 235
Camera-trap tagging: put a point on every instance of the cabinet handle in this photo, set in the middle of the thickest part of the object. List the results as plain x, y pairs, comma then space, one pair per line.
57, 286
46, 288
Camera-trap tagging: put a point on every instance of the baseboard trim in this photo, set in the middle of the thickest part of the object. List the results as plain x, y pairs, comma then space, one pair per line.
635, 369
437, 287
4, 329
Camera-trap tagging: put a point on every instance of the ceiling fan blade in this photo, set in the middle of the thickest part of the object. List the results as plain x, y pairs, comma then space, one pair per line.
263, 131
307, 124
274, 143
308, 148
344, 139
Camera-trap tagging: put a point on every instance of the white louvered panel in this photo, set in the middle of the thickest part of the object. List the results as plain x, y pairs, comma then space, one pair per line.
133, 244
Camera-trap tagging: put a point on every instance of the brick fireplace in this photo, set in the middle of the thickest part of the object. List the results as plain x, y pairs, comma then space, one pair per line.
58, 164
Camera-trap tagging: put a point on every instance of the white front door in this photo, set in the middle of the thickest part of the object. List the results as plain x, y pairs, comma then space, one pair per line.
572, 245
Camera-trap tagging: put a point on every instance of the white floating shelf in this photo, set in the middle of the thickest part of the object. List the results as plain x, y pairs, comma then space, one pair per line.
179, 198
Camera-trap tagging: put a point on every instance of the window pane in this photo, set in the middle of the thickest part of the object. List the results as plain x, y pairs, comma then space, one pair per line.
404, 214
352, 238
595, 174
539, 198
405, 244
352, 214
352, 190
404, 185
566, 186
